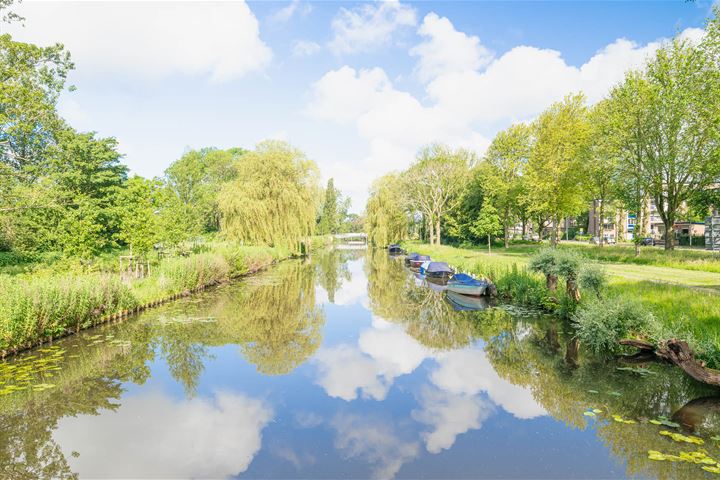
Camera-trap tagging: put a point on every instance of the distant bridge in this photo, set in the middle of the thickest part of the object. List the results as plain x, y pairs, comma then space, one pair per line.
359, 237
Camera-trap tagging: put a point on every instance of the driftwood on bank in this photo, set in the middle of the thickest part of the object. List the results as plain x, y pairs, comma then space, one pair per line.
679, 353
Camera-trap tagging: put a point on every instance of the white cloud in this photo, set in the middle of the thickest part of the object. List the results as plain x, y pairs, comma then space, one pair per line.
154, 436
384, 352
374, 441
305, 48
469, 95
344, 370
284, 14
369, 26
449, 415
447, 50
150, 39
469, 372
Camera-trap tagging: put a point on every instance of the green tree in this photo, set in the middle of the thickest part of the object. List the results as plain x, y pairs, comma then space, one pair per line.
682, 155
602, 167
488, 223
137, 206
32, 78
195, 180
627, 129
274, 198
434, 183
555, 170
506, 157
329, 216
386, 218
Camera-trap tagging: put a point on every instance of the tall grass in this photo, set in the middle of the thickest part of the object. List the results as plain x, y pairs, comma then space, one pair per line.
44, 307
34, 307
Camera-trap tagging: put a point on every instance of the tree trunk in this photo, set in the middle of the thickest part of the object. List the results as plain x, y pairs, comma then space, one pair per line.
437, 230
668, 234
601, 221
431, 231
551, 281
679, 353
489, 244
572, 290
554, 233
507, 227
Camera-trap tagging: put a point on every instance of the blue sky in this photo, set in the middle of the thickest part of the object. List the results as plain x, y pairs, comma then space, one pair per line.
358, 86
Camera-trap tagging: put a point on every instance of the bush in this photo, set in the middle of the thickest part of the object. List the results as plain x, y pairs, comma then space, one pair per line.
592, 278
582, 238
602, 324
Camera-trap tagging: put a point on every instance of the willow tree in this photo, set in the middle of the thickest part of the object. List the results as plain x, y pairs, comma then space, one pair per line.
274, 198
386, 220
435, 181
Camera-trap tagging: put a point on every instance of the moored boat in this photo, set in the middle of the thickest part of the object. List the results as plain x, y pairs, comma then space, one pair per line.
394, 249
467, 285
436, 269
416, 261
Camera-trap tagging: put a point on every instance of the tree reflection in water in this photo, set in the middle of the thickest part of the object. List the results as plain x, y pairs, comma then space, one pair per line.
274, 320
540, 353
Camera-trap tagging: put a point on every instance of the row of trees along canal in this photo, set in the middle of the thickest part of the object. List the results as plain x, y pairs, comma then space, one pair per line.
655, 136
67, 191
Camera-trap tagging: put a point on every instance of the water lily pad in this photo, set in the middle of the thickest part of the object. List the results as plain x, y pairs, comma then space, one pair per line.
678, 437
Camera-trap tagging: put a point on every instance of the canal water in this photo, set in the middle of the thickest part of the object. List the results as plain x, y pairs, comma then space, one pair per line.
345, 365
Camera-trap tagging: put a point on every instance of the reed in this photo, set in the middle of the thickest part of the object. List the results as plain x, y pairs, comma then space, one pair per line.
35, 308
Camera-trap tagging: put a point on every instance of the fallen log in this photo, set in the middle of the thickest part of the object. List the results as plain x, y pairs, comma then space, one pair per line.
679, 353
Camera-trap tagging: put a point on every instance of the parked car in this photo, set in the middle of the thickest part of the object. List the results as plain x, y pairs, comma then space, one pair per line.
647, 242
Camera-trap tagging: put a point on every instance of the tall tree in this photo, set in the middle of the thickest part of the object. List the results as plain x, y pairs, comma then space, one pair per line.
195, 180
682, 155
626, 123
557, 161
386, 220
602, 167
435, 181
329, 215
507, 157
274, 199
137, 207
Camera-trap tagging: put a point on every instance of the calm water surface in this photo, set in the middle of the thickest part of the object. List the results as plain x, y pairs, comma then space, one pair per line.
345, 365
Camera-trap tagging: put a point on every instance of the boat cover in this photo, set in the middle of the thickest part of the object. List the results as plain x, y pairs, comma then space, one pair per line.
466, 280
437, 267
413, 256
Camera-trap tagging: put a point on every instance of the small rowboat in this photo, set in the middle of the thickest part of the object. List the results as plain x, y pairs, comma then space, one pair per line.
465, 302
394, 249
467, 285
436, 269
414, 260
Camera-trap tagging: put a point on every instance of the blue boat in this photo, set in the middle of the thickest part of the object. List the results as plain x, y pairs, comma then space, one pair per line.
467, 285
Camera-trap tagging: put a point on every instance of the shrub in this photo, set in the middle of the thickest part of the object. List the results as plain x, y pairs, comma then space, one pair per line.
592, 278
601, 324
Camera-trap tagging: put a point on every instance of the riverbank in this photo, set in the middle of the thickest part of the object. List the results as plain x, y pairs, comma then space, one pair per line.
683, 311
40, 307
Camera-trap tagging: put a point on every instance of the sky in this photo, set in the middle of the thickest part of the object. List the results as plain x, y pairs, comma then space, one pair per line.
359, 87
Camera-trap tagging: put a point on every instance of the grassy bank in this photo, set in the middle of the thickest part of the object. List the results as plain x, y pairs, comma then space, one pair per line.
691, 314
38, 307
686, 259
